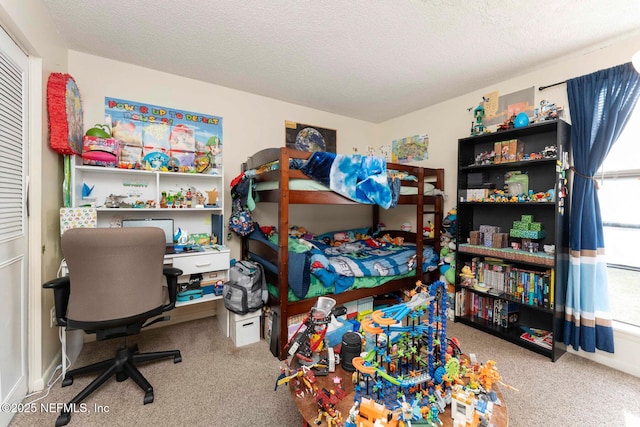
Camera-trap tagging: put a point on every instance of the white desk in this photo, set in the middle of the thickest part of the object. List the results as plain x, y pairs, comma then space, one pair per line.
211, 260
214, 261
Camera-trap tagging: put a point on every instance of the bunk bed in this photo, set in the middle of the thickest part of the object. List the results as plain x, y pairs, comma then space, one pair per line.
276, 181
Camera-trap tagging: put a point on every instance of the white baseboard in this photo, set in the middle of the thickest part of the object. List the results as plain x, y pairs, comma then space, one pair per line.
38, 384
627, 346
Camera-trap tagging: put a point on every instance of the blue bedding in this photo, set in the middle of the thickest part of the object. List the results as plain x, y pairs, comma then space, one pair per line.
339, 263
360, 178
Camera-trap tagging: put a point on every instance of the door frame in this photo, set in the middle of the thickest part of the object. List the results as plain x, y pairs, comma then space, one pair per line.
35, 146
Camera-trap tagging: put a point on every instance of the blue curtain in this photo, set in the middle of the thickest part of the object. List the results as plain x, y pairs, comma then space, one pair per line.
600, 105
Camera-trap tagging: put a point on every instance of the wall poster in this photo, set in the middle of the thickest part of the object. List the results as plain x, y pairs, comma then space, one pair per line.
499, 108
410, 149
154, 137
309, 138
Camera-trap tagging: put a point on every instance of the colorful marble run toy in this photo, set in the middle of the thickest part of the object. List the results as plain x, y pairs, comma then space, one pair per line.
409, 345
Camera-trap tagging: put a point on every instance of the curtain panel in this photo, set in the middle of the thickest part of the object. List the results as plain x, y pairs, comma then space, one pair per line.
600, 105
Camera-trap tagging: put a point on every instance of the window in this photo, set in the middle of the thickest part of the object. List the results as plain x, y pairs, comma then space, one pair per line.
619, 180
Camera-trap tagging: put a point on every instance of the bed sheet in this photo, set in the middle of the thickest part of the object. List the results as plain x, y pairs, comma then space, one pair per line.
311, 185
318, 289
338, 258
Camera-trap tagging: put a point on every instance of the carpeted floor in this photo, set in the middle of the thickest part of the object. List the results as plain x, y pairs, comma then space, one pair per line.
219, 385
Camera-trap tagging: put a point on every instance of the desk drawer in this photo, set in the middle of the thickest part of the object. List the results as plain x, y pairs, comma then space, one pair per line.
202, 263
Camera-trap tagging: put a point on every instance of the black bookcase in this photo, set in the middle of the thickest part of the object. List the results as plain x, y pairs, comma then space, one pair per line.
514, 290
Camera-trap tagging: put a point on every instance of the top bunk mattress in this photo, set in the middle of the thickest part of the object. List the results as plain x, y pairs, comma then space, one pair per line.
311, 185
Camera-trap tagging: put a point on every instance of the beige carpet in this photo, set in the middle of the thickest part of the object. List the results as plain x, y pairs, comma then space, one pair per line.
219, 385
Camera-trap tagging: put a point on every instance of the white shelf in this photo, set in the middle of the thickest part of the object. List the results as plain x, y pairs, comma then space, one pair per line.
172, 210
148, 185
205, 298
100, 169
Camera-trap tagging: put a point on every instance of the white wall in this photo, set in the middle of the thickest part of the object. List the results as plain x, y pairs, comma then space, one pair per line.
450, 120
250, 122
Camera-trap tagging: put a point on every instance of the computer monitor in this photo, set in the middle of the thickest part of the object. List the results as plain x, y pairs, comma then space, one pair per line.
165, 224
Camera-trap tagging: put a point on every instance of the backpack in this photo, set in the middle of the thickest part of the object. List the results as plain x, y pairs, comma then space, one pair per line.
246, 290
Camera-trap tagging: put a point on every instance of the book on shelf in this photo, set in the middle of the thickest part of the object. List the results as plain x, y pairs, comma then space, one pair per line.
538, 337
533, 287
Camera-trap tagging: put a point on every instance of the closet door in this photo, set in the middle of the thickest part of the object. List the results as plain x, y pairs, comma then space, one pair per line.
13, 222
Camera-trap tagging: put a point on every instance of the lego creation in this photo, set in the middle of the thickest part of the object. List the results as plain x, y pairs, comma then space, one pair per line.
408, 373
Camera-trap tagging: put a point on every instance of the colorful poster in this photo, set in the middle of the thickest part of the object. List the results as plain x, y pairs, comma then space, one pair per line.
154, 137
410, 149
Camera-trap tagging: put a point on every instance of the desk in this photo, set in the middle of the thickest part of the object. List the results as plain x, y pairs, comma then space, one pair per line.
208, 261
309, 409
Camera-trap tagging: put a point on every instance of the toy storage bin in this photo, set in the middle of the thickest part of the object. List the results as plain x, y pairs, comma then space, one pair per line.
244, 329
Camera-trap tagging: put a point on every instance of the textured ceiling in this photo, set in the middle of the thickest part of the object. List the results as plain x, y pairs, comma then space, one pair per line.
367, 59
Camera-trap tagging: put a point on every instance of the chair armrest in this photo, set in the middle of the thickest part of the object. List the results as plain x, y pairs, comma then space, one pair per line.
172, 274
61, 289
58, 283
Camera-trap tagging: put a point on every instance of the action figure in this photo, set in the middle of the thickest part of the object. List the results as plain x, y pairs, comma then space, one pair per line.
478, 115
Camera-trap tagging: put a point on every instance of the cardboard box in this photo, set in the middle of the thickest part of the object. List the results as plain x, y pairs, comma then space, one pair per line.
129, 156
497, 148
77, 218
477, 194
512, 150
98, 151
500, 240
488, 231
527, 234
476, 238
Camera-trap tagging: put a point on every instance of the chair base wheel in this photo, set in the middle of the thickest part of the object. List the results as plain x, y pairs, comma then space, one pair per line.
67, 381
148, 398
177, 359
63, 419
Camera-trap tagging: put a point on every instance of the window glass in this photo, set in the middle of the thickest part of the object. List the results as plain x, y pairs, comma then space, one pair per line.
619, 196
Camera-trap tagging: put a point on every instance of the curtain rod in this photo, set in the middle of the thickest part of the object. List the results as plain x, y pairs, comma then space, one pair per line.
548, 86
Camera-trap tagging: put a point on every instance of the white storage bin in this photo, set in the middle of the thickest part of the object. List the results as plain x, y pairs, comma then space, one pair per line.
244, 329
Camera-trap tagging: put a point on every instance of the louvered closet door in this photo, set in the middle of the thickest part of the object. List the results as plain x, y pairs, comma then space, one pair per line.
13, 222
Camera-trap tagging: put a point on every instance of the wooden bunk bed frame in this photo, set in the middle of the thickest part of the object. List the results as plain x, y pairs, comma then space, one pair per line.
284, 197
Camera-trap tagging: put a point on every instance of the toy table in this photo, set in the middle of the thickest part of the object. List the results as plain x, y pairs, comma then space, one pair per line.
309, 409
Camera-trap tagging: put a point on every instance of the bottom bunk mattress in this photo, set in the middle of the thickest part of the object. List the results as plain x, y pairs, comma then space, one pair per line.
341, 260
318, 289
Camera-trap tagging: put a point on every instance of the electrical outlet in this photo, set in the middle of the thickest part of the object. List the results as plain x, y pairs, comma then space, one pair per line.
52, 317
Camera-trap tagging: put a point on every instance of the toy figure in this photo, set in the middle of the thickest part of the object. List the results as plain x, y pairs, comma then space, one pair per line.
163, 200
212, 196
548, 111
478, 115
487, 375
309, 336
188, 198
428, 230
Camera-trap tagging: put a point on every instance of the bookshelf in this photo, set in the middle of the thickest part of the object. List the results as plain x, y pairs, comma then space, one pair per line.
512, 234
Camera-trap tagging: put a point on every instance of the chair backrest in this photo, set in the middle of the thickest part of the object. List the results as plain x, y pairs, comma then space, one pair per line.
114, 273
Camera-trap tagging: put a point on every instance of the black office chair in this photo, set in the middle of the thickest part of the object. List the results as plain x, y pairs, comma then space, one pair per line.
114, 286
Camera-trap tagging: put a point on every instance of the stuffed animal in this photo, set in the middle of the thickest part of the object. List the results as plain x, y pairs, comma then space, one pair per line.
448, 247
447, 260
449, 223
